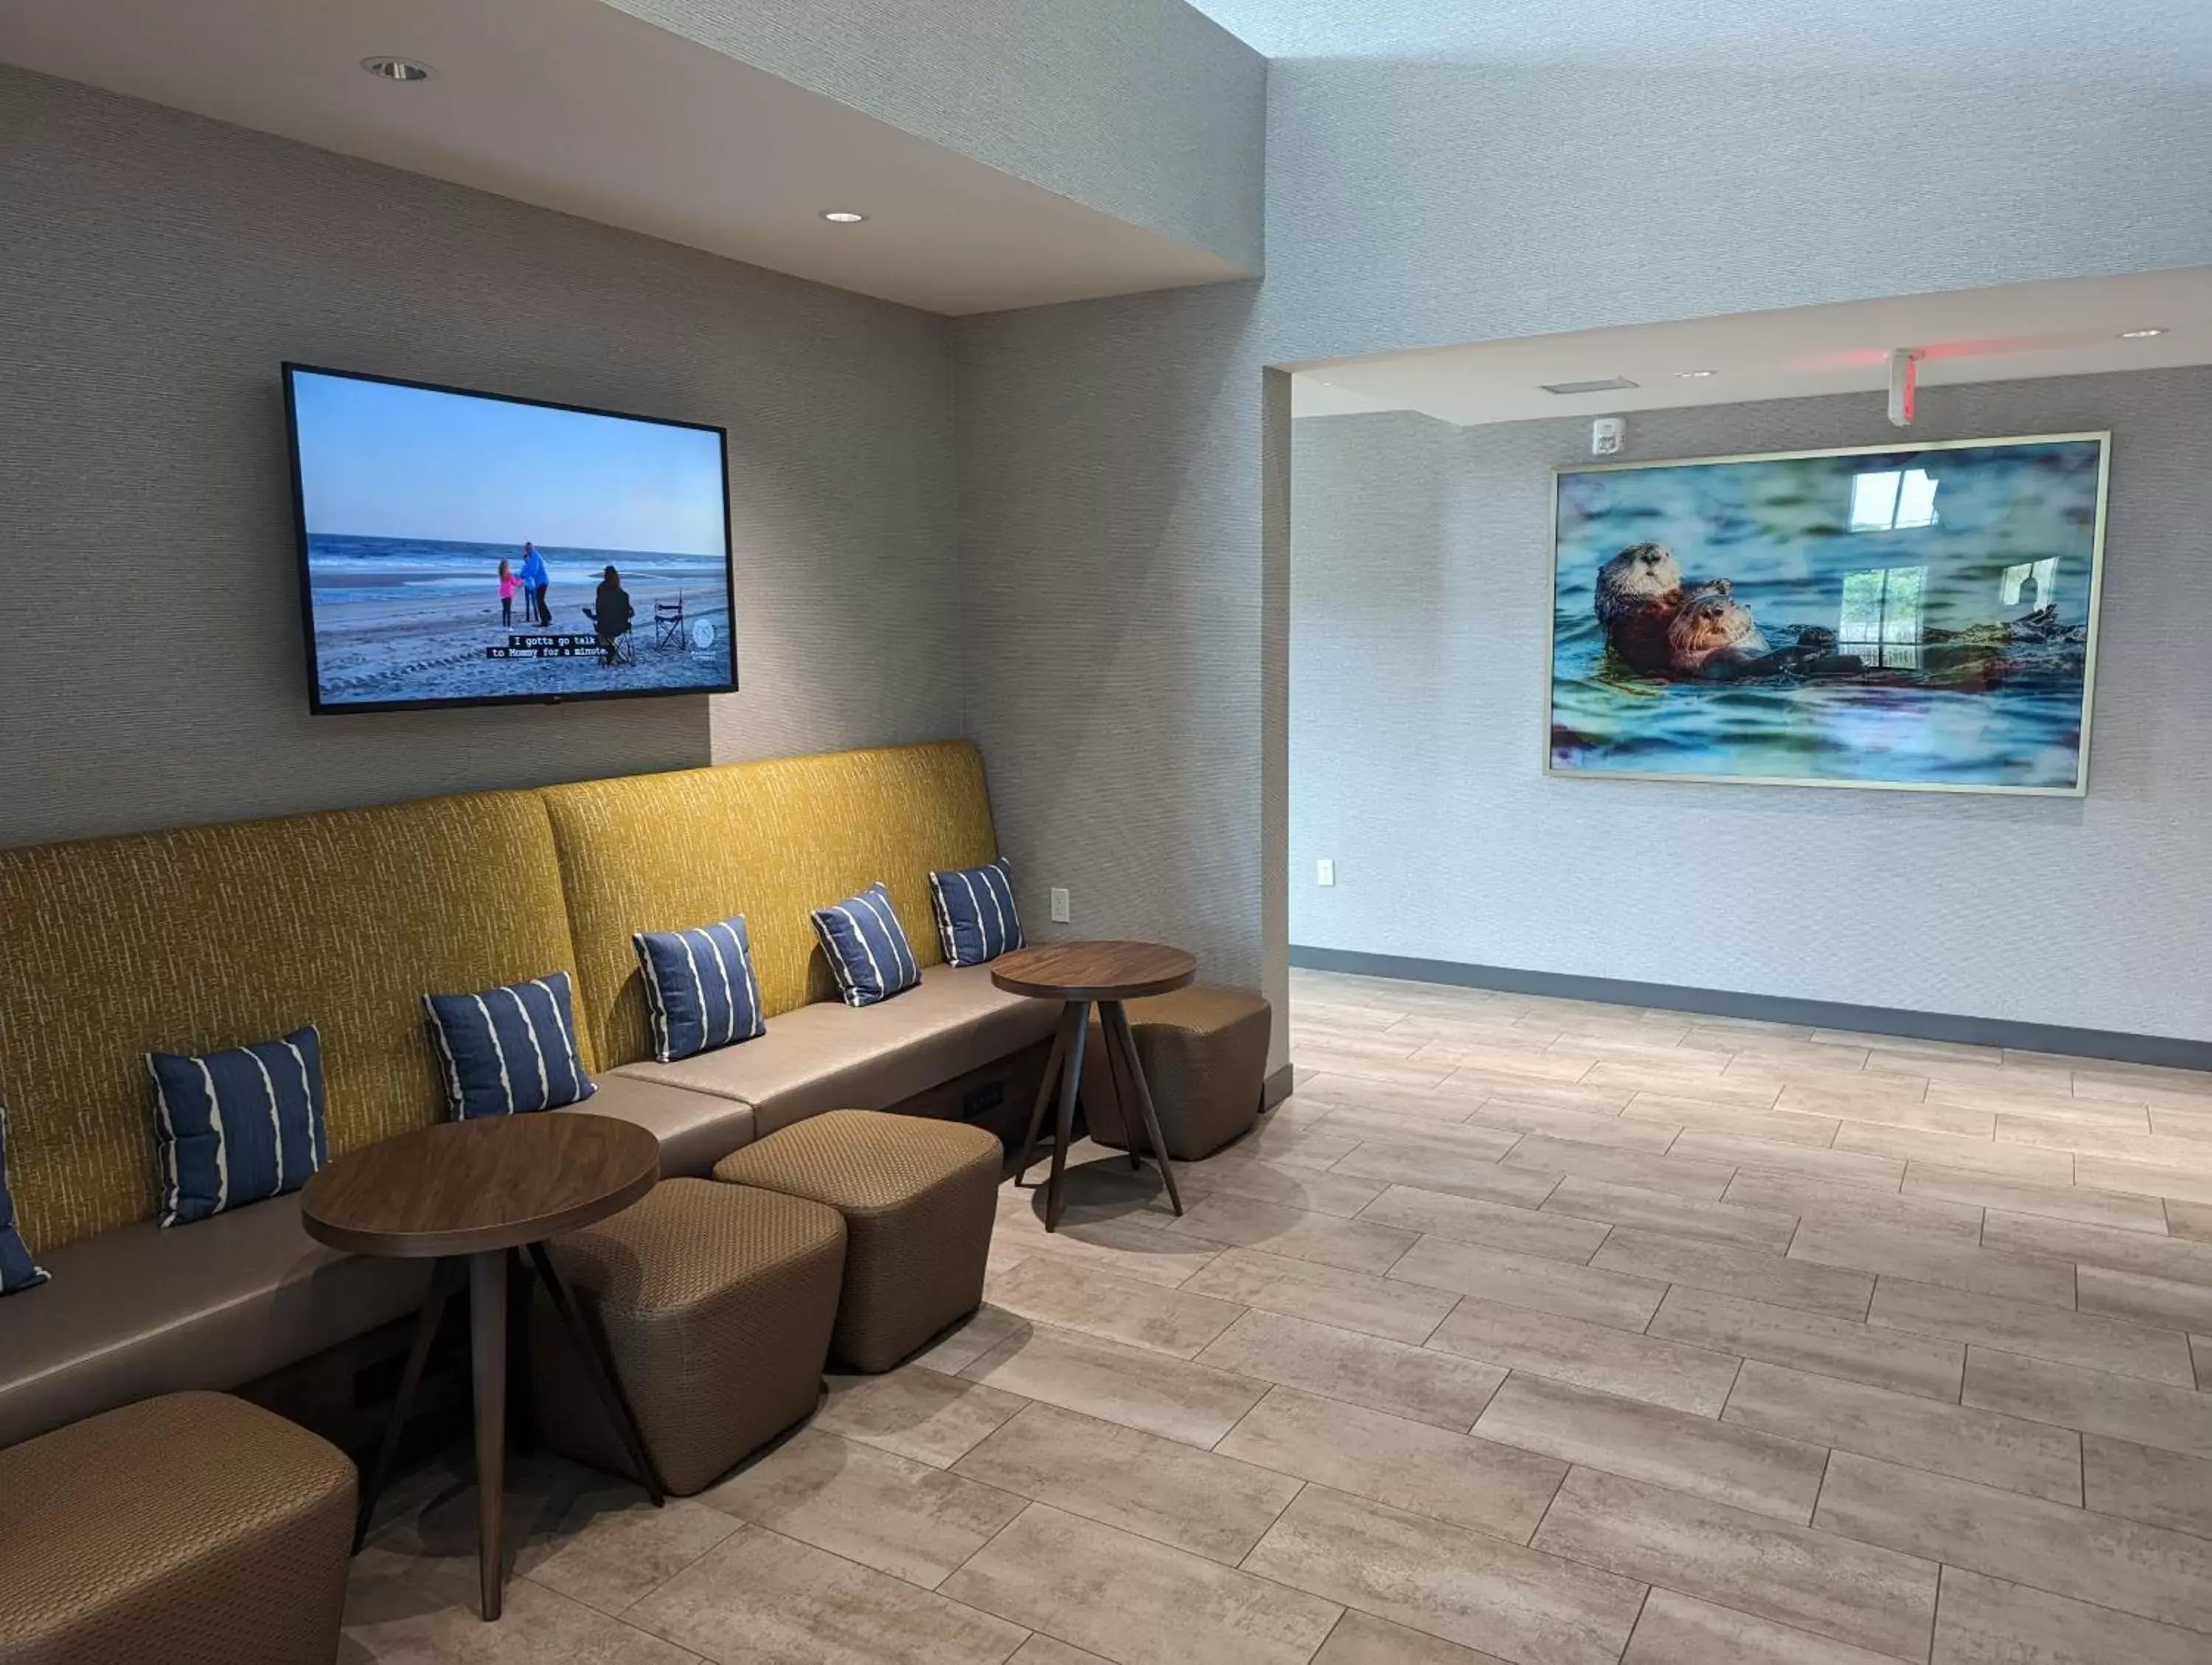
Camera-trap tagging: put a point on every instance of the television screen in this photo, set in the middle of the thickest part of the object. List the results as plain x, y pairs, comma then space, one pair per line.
464, 549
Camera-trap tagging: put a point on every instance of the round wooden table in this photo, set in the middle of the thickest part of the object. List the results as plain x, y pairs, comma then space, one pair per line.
470, 1194
1082, 974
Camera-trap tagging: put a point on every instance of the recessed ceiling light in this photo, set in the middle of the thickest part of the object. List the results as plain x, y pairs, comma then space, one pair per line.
1610, 385
1695, 375
843, 217
2141, 335
397, 69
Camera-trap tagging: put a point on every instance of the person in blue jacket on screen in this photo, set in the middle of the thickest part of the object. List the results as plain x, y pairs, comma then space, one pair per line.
534, 582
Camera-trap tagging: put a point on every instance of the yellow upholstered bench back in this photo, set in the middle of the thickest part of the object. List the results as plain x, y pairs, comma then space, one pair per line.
215, 936
772, 841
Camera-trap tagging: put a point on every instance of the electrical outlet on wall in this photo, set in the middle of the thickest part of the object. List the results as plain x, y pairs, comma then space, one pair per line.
1061, 913
1325, 872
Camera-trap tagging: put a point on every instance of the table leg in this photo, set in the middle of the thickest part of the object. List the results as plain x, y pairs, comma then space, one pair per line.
1076, 1023
600, 1369
1125, 1097
445, 1279
1114, 1021
487, 1358
1058, 1056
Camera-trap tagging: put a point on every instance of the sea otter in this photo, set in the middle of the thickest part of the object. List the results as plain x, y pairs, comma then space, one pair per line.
1639, 592
1713, 635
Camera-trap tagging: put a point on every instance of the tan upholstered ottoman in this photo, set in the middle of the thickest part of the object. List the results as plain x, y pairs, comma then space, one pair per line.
919, 1198
716, 1302
193, 1529
1205, 1053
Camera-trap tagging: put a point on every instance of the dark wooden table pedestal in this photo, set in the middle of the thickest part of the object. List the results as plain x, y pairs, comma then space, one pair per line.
473, 1196
1104, 975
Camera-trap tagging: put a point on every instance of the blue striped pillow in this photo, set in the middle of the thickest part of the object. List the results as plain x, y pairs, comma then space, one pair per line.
509, 1050
238, 1125
17, 1269
976, 916
700, 988
866, 947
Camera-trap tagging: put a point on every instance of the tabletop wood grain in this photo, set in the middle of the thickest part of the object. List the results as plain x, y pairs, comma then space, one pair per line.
462, 1187
1094, 971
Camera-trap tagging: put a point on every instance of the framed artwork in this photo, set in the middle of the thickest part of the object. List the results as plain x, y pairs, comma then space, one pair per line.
1919, 617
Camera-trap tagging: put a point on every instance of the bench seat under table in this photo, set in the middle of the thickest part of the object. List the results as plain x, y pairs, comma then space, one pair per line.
140, 1311
828, 1056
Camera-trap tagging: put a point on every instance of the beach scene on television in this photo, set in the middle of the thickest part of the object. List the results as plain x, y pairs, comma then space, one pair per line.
462, 547
1921, 617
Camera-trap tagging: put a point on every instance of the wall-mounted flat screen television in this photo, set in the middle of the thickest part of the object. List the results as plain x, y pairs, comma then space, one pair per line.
469, 549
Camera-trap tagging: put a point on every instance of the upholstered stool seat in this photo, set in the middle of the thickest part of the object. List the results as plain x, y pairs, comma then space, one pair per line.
716, 1302
1205, 1056
919, 1198
194, 1529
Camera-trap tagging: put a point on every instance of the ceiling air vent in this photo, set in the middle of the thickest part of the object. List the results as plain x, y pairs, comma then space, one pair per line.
1610, 385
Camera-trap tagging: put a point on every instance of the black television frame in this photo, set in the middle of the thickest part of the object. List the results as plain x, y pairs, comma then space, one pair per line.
316, 704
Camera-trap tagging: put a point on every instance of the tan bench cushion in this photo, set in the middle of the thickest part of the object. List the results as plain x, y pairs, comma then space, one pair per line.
696, 1129
829, 1056
139, 1311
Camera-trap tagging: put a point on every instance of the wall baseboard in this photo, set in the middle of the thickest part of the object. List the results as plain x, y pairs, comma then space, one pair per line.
1275, 1089
2164, 1051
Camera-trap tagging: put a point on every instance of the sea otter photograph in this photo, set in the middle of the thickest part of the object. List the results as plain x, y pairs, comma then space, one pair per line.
1921, 617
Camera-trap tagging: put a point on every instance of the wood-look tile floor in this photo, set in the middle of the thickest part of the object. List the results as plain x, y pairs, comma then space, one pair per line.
1529, 1331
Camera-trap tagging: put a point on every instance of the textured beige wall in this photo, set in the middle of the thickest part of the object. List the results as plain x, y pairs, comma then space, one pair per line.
155, 267
1113, 582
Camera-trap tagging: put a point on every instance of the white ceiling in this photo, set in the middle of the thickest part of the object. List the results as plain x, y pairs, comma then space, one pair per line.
2022, 40
575, 105
2053, 329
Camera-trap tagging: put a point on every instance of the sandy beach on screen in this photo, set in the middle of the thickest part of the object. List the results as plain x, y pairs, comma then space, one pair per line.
430, 645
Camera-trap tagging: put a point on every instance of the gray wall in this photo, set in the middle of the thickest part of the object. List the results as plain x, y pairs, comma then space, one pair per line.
154, 269
1420, 203
1143, 109
1419, 604
1416, 204
1112, 690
